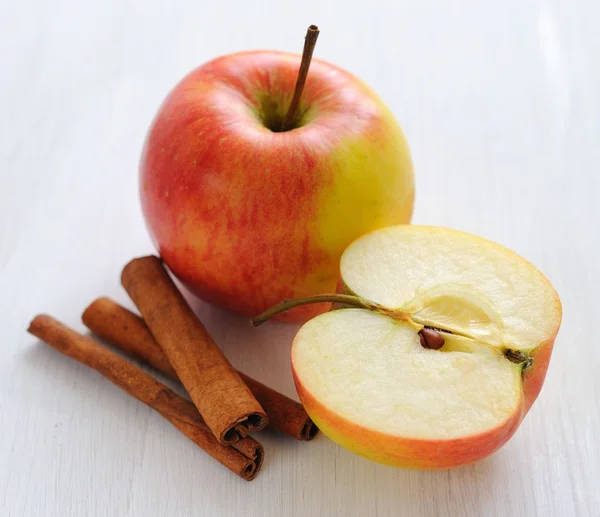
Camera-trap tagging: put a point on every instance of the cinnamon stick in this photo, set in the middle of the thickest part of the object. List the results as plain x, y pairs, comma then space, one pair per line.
127, 331
243, 457
222, 398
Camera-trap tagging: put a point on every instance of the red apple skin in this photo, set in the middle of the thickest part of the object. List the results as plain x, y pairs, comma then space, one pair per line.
246, 217
420, 454
533, 378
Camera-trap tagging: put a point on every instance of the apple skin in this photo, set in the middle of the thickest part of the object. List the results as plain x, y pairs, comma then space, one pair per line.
533, 378
246, 217
415, 453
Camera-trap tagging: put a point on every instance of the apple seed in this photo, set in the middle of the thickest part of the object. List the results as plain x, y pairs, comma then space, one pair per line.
431, 338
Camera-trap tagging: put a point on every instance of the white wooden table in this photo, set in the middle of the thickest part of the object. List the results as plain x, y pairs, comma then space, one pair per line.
500, 102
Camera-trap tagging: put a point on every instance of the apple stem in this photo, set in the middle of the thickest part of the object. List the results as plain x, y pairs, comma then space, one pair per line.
286, 305
310, 41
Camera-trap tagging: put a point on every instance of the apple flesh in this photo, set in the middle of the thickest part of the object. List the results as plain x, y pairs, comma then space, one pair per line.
246, 215
368, 382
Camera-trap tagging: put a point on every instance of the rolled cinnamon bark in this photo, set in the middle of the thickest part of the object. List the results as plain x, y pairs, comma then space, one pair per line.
244, 458
285, 415
127, 331
216, 389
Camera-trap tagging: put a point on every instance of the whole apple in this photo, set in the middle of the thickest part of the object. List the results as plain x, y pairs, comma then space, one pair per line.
245, 214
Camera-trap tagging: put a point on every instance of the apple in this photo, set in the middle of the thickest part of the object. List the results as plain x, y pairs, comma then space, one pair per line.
246, 214
441, 356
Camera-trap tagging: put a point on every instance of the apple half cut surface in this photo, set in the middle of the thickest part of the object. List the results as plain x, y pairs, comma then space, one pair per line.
442, 355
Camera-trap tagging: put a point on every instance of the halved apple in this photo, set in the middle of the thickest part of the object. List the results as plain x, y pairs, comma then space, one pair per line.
369, 376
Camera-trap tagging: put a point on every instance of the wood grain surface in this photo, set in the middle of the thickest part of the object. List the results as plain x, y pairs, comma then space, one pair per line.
500, 102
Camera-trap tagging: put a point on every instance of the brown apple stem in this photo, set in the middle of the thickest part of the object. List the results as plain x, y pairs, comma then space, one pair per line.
286, 305
310, 41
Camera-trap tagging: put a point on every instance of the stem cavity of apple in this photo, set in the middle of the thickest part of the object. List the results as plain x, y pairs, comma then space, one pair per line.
310, 40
